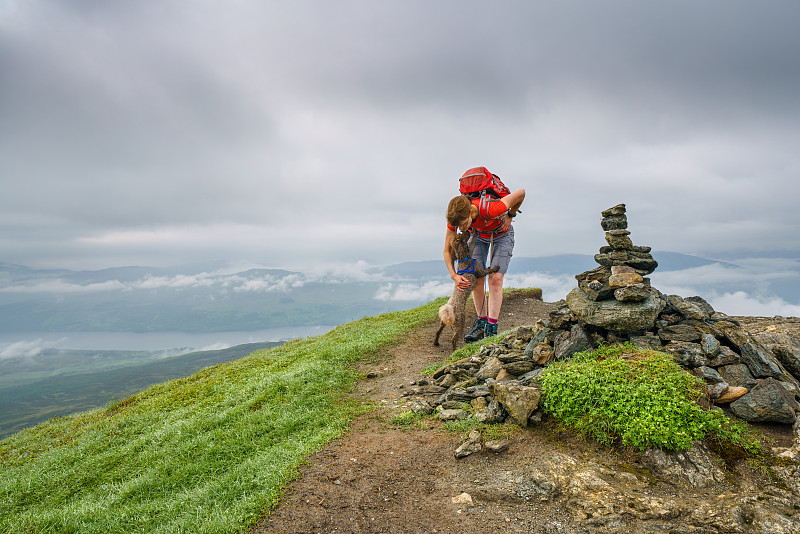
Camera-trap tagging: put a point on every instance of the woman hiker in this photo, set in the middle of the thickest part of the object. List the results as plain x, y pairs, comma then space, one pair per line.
489, 220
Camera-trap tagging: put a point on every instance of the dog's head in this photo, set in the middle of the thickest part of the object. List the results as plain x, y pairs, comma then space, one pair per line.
460, 246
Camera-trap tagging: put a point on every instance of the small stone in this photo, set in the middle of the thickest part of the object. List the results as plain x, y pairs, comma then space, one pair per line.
717, 390
619, 232
642, 262
464, 498
619, 209
441, 371
542, 354
471, 446
710, 345
505, 376
711, 376
731, 394
528, 379
614, 222
726, 356
634, 293
759, 360
687, 354
479, 405
616, 281
694, 466
568, 343
687, 308
646, 342
497, 445
736, 374
490, 369
453, 415
621, 269
619, 242
733, 333
535, 418
679, 332
519, 401
453, 405
421, 406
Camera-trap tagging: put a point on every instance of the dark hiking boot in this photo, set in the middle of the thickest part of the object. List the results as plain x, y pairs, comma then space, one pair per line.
490, 330
477, 331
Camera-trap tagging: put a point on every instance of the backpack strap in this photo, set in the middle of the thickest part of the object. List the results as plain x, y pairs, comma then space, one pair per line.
483, 208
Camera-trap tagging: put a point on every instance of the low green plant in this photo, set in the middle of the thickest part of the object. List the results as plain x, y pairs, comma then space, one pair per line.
463, 426
640, 397
507, 430
408, 418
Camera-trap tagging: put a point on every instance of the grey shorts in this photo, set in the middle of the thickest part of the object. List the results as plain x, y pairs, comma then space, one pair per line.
501, 255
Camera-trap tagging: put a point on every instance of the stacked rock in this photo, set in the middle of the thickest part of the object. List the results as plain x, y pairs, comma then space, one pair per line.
623, 266
620, 250
606, 295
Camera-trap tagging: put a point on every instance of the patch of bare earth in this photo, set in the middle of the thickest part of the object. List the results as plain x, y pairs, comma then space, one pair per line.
390, 478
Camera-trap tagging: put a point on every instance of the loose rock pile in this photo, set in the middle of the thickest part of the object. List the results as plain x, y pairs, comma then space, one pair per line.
616, 303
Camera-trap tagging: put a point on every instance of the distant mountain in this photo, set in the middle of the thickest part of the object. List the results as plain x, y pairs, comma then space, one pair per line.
561, 264
558, 264
673, 261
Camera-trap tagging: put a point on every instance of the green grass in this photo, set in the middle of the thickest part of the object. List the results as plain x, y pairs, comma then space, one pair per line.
640, 397
205, 454
31, 403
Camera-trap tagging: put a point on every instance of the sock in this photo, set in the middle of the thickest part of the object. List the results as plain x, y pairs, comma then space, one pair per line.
485, 318
491, 321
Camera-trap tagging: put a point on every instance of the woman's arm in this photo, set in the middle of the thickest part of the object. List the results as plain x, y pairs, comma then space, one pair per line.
512, 203
514, 200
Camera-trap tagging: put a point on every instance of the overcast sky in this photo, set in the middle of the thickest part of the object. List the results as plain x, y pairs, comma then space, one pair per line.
298, 132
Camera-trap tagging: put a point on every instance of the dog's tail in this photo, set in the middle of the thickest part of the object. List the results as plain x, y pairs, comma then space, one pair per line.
447, 314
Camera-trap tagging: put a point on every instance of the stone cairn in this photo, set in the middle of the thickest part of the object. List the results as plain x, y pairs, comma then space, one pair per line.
757, 379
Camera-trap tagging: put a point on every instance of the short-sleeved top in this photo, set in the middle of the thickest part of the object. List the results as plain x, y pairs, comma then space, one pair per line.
487, 227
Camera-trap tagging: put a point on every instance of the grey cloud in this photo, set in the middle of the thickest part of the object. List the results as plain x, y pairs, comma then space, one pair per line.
294, 125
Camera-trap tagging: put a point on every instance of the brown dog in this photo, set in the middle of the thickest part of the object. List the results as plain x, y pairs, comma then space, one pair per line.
453, 312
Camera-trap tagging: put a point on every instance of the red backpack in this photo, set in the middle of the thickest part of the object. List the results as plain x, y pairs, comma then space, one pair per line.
477, 182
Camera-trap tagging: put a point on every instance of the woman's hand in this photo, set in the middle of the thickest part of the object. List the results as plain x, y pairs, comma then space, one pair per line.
461, 282
506, 224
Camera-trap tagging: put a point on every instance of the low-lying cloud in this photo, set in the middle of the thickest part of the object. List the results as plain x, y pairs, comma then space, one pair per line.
554, 287
413, 292
751, 286
24, 349
741, 303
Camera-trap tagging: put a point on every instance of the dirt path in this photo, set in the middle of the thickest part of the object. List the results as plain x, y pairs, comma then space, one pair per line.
387, 478
383, 477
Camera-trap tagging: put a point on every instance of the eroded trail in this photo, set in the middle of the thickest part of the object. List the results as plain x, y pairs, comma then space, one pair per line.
382, 477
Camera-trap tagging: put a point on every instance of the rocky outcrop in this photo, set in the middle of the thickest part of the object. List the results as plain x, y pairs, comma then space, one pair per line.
615, 302
757, 378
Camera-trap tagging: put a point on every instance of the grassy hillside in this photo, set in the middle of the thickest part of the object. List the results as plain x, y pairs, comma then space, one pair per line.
204, 454
26, 400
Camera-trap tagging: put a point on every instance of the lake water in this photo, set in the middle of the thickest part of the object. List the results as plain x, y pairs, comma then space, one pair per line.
150, 341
